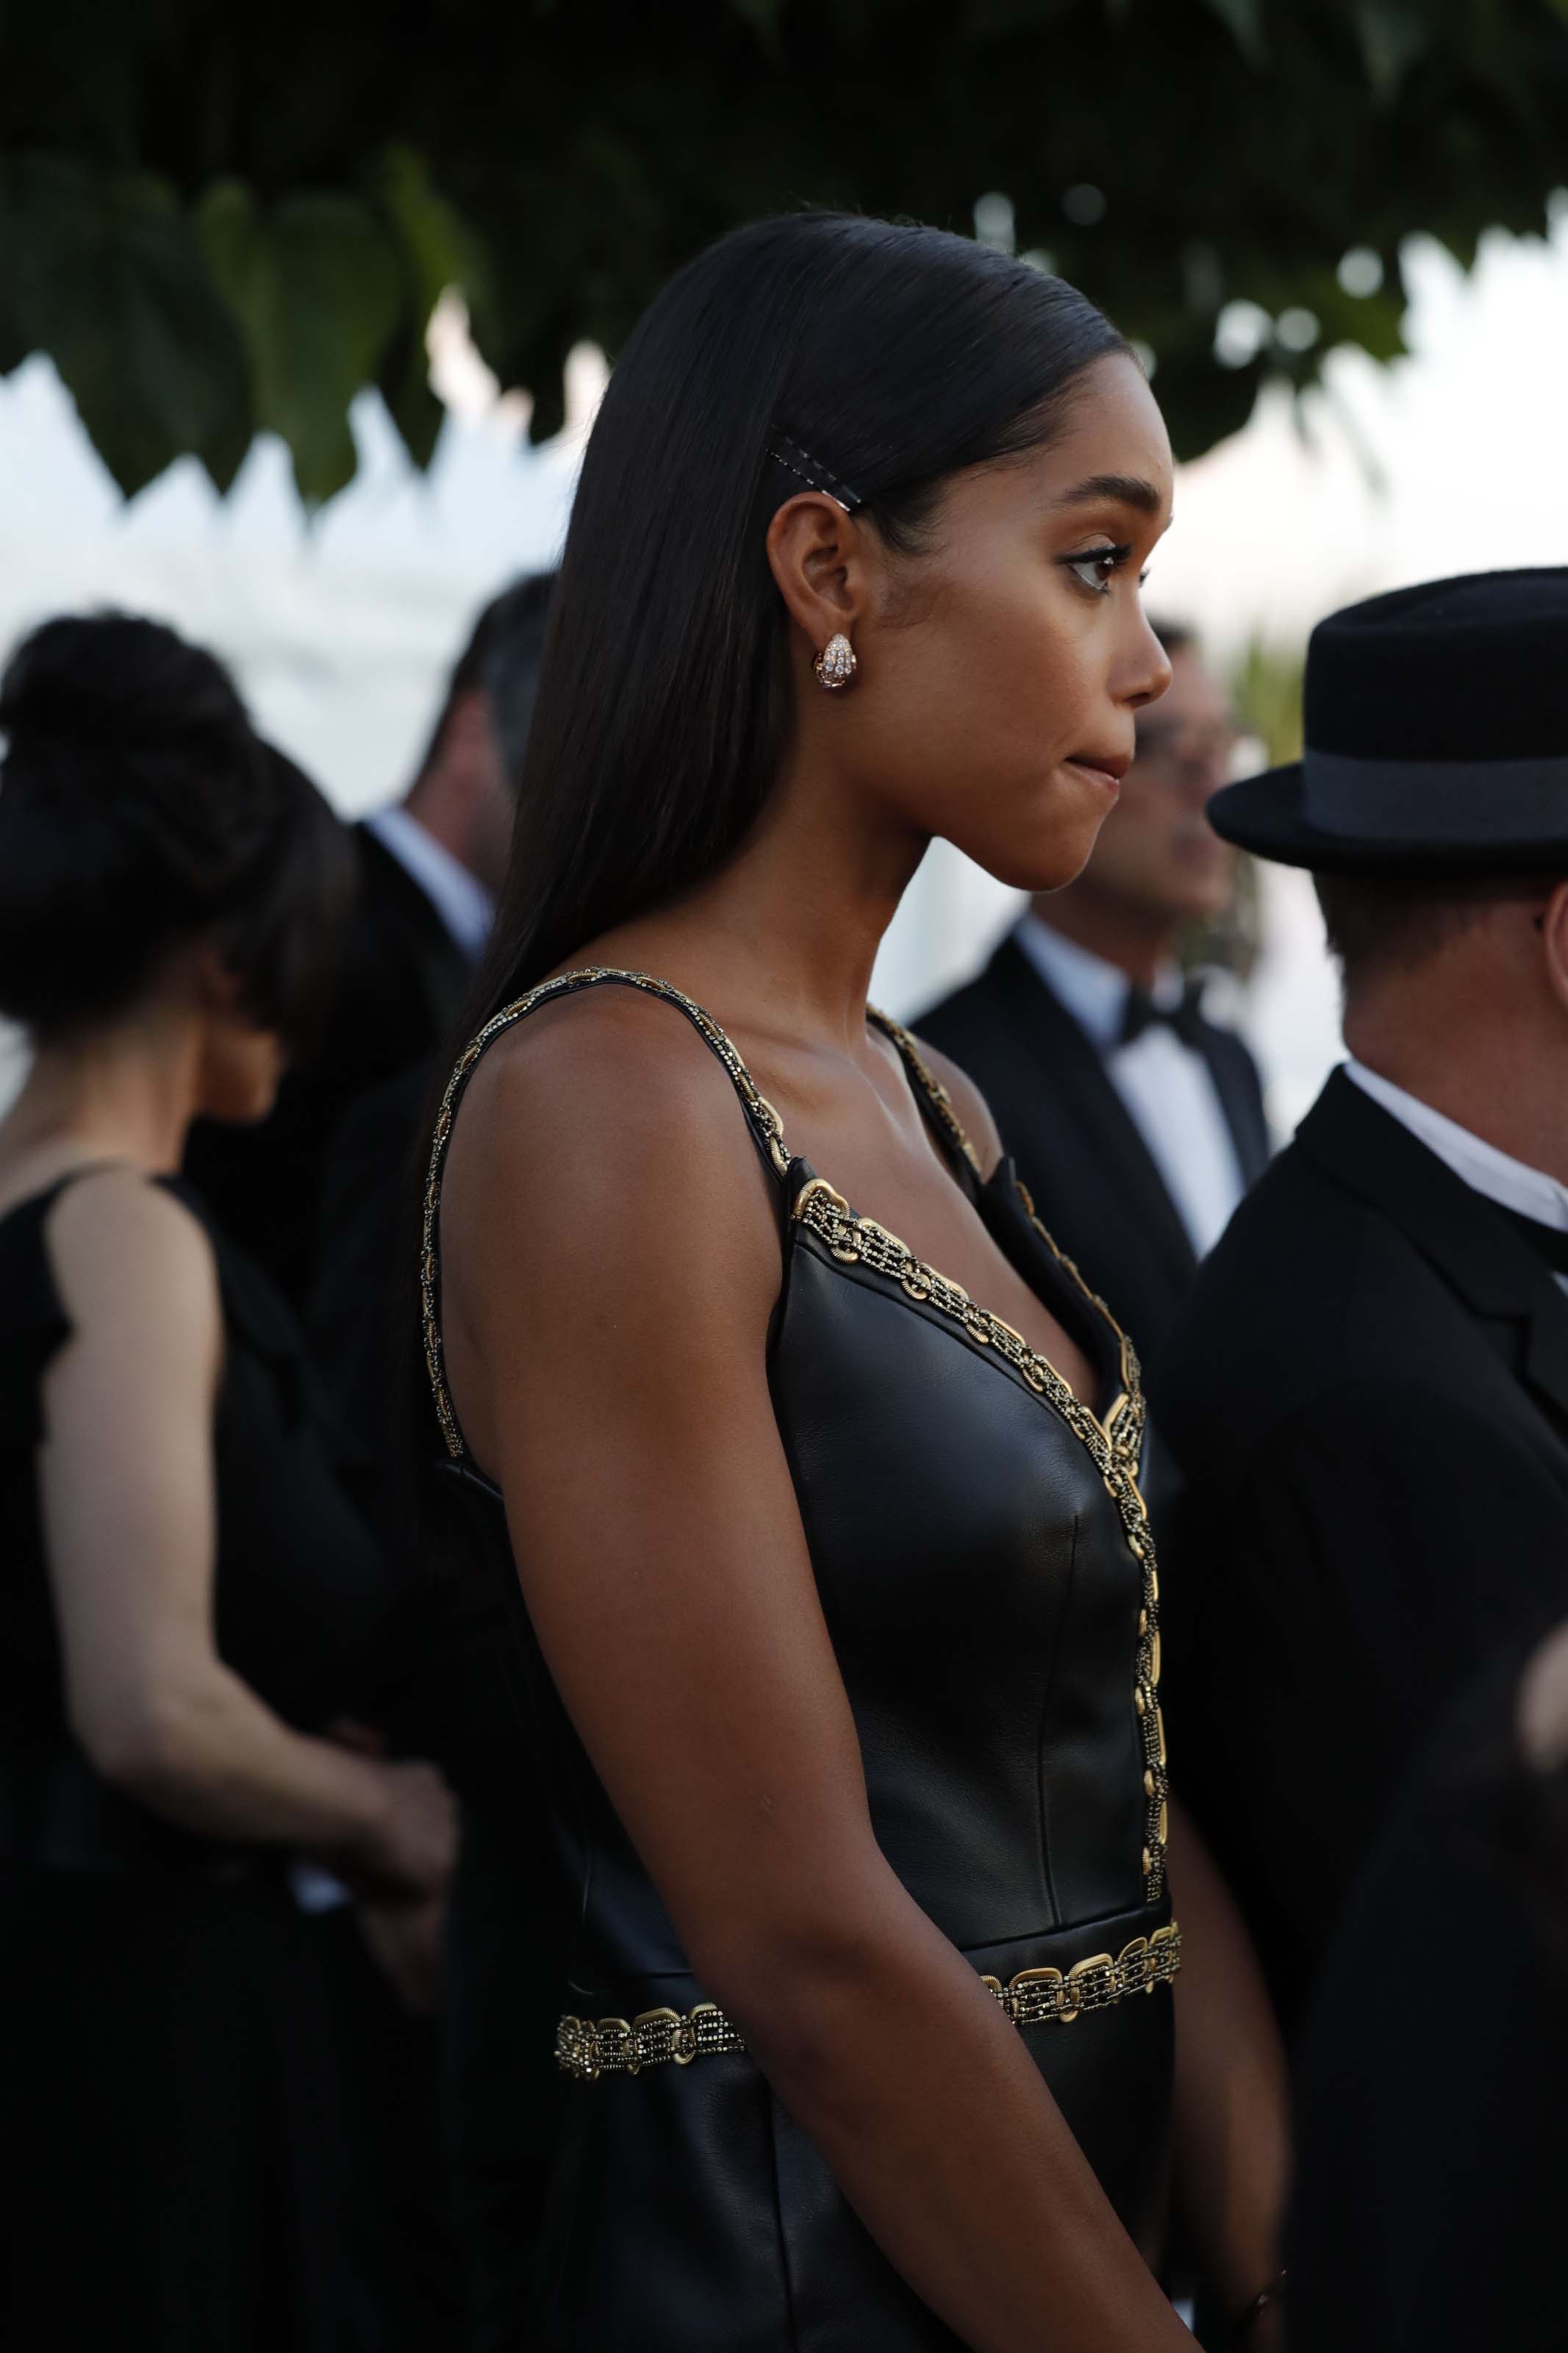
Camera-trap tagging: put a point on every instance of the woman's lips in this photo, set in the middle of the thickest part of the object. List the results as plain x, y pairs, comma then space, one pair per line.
1107, 777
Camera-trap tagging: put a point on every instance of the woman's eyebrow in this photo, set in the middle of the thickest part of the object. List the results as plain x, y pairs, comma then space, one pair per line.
1130, 489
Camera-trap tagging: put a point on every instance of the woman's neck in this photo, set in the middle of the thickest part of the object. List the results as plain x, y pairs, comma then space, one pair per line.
126, 1092
787, 933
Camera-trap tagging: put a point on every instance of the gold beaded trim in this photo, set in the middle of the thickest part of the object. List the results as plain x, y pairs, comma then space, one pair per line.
1124, 1427
764, 1116
589, 2048
940, 1101
1034, 1997
1114, 1446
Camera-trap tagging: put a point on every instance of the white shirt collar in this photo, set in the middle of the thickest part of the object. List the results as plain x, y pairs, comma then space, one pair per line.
1479, 1165
1094, 991
463, 904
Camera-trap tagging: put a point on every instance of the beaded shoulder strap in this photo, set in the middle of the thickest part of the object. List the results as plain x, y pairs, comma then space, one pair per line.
767, 1129
947, 1120
928, 1085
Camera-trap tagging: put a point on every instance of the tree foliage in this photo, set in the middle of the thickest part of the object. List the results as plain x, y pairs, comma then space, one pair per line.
218, 222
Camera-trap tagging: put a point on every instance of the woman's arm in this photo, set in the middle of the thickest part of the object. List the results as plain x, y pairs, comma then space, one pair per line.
1232, 2098
611, 1260
129, 1514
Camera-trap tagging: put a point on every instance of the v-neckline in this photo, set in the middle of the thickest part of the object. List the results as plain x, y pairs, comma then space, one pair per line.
851, 1238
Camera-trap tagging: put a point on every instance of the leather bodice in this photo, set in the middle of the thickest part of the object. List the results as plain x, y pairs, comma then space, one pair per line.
981, 1553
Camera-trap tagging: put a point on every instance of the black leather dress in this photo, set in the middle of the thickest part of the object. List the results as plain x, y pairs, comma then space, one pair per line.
984, 1562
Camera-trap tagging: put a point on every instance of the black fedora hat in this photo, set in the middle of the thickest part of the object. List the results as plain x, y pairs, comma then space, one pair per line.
1437, 737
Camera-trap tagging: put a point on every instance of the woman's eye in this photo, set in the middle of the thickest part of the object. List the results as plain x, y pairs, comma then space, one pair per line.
1098, 569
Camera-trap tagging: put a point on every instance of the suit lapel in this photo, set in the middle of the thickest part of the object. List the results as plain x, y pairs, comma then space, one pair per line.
440, 969
1489, 1265
1237, 1092
1072, 1070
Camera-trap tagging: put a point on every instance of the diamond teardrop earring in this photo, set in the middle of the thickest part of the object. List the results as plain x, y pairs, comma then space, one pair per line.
835, 664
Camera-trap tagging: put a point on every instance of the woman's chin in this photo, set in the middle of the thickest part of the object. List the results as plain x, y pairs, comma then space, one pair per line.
232, 1101
1032, 866
1049, 846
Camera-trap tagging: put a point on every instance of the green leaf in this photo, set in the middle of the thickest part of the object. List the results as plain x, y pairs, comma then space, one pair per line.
1392, 36
1245, 18
437, 246
435, 250
315, 287
106, 276
12, 346
762, 16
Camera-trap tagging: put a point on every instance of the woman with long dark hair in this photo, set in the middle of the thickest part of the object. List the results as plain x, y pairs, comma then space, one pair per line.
814, 1463
186, 1594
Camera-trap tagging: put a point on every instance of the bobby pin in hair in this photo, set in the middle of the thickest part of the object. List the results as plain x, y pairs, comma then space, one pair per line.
811, 470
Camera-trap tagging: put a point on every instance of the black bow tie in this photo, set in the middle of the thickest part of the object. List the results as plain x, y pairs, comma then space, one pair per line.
1550, 1242
1184, 1017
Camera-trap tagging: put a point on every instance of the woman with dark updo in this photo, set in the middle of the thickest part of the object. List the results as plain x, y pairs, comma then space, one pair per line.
183, 1588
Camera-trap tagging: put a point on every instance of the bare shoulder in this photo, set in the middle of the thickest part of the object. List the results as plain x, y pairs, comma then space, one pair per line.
969, 1106
599, 1122
603, 1071
129, 1257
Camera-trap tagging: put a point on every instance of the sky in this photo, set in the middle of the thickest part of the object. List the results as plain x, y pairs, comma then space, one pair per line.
340, 628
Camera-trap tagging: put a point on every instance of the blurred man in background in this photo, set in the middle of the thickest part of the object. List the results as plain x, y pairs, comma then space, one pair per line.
1136, 1123
323, 1193
1367, 1391
429, 870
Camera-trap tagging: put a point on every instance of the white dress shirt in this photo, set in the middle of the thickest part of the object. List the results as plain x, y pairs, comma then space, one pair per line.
1512, 1183
1165, 1083
463, 904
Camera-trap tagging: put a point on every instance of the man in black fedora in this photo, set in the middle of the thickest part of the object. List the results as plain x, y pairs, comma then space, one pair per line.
1367, 1390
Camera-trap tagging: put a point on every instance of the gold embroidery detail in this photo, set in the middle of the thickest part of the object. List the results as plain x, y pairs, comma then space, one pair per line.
588, 2048
1124, 1426
1115, 1447
1036, 1996
762, 1113
926, 1078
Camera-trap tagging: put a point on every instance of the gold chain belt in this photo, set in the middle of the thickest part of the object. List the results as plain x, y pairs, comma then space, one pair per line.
589, 2048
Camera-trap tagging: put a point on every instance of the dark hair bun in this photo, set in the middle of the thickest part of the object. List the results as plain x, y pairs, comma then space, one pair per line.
138, 810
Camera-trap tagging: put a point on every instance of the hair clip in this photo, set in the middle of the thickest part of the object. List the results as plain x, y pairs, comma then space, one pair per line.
811, 470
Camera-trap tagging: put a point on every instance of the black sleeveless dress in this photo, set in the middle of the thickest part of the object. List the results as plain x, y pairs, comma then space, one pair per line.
984, 1560
174, 2174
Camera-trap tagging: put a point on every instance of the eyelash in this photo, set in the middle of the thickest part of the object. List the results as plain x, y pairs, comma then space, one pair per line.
1116, 557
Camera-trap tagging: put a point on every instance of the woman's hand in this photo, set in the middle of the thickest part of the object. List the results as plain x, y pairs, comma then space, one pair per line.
1232, 2103
1543, 1704
406, 1852
407, 1943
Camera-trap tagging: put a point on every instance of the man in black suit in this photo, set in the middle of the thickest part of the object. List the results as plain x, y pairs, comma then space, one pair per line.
1136, 1123
322, 1194
1367, 1390
429, 870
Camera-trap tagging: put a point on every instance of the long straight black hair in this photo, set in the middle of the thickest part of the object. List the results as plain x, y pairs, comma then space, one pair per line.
895, 356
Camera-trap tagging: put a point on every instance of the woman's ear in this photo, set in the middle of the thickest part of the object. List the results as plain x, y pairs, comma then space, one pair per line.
216, 987
817, 557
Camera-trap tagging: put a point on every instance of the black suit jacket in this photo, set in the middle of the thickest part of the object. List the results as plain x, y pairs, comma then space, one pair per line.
399, 994
1431, 2165
1077, 1145
1367, 1396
